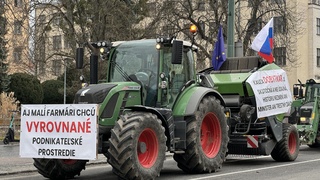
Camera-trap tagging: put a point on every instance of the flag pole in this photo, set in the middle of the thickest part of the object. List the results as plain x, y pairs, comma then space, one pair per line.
230, 30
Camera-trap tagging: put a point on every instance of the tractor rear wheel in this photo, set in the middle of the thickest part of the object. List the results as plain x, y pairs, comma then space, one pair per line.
59, 168
137, 146
287, 149
207, 139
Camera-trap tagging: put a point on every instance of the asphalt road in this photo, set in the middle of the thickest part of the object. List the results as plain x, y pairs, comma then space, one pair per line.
236, 167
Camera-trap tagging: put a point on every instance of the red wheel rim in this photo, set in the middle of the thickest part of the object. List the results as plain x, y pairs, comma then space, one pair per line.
69, 161
292, 143
210, 135
147, 148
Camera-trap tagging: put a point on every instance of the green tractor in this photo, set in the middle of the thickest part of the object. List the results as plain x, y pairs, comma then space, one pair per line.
150, 104
153, 102
305, 112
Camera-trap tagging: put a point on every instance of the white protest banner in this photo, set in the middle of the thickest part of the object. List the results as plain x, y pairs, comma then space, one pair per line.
59, 131
272, 92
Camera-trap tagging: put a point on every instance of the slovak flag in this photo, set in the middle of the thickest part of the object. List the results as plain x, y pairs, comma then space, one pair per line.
263, 42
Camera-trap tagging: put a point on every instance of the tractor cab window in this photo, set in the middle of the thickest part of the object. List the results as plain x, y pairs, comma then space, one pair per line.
133, 58
178, 74
139, 59
312, 92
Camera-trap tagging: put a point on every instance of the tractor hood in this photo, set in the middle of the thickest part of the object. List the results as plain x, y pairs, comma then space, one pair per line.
93, 94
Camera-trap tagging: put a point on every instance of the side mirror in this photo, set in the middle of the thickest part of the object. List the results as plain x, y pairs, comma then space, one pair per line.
177, 47
301, 92
79, 58
298, 92
295, 91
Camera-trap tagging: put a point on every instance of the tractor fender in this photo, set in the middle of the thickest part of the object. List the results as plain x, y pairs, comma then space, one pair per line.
189, 100
165, 117
146, 109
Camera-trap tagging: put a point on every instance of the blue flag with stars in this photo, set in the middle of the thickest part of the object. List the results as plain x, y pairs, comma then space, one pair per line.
218, 55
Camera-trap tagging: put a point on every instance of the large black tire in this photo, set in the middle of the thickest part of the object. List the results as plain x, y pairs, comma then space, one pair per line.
287, 149
137, 146
207, 139
316, 144
6, 140
58, 168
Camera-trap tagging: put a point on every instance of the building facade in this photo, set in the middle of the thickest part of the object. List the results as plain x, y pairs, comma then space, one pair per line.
51, 47
307, 44
17, 36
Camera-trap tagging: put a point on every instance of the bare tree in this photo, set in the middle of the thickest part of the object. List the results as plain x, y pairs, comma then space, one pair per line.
16, 14
80, 21
251, 16
4, 78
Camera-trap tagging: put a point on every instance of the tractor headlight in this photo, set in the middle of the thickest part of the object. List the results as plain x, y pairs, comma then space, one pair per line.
304, 120
158, 46
102, 50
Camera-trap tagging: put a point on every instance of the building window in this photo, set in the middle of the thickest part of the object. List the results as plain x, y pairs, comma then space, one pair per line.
278, 1
186, 30
151, 8
56, 19
251, 3
170, 30
201, 5
18, 3
317, 2
42, 67
279, 24
170, 4
56, 42
318, 26
3, 23
56, 66
67, 43
258, 26
17, 27
280, 56
318, 57
202, 27
42, 19
2, 3
42, 56
17, 54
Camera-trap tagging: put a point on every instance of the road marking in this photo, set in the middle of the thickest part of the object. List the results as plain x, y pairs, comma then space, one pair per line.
258, 169
19, 177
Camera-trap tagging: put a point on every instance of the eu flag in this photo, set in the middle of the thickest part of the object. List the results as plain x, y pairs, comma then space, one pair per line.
219, 55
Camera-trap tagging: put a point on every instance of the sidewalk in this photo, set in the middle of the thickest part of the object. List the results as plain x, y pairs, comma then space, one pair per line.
12, 163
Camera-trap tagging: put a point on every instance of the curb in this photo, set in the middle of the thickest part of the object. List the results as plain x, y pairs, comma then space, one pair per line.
28, 168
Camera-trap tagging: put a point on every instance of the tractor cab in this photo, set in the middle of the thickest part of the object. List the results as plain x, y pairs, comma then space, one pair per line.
312, 91
160, 66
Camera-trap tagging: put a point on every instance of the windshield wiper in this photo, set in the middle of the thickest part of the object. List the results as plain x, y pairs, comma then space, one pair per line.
121, 71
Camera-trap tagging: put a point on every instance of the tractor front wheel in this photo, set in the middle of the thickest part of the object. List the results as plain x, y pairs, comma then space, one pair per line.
287, 149
137, 146
316, 144
59, 168
207, 139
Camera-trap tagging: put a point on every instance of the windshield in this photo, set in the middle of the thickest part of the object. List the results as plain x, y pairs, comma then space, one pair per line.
132, 57
312, 92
